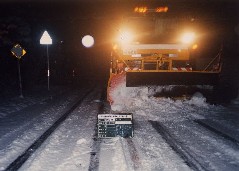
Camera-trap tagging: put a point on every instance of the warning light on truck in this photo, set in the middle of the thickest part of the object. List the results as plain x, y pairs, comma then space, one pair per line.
149, 10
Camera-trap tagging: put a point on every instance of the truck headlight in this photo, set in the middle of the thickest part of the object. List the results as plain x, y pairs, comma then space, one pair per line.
188, 38
126, 37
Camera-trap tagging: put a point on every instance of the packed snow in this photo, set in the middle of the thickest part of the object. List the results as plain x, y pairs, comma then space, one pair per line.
131, 98
72, 145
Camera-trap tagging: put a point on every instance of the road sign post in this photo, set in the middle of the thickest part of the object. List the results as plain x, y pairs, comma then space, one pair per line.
46, 40
48, 69
18, 52
20, 78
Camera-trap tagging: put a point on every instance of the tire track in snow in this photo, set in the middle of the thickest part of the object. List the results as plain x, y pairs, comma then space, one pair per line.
20, 160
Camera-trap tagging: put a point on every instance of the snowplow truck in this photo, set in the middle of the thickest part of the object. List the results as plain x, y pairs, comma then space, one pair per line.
159, 65
160, 62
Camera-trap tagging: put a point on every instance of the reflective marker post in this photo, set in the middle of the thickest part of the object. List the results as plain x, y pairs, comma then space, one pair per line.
46, 40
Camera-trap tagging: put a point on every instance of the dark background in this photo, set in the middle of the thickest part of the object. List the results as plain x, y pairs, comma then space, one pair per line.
24, 21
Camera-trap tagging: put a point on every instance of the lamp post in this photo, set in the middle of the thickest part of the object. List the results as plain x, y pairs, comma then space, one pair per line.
46, 40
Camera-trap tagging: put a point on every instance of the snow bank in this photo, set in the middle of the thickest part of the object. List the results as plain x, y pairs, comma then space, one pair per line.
128, 99
198, 100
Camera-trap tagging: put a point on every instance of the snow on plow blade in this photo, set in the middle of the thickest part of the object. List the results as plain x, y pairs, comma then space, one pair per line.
135, 79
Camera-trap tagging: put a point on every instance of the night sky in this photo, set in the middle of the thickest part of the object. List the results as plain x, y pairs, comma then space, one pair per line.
24, 21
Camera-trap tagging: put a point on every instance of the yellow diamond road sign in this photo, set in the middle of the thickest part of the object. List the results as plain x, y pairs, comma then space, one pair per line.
18, 51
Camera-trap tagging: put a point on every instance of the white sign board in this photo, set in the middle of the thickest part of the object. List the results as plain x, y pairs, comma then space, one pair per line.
45, 39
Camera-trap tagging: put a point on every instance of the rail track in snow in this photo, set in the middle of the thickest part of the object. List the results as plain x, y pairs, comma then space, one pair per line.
188, 158
217, 131
132, 153
126, 144
95, 153
20, 160
134, 156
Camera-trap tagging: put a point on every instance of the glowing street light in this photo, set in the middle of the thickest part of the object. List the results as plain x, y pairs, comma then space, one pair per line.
88, 41
46, 40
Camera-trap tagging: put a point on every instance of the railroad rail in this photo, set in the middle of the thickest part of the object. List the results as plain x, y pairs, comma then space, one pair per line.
216, 131
188, 158
20, 160
95, 153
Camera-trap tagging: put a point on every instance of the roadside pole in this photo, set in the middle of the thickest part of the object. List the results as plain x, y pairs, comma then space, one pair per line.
48, 69
46, 40
18, 52
20, 78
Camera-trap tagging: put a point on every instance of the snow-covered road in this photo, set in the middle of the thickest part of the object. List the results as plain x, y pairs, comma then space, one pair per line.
167, 134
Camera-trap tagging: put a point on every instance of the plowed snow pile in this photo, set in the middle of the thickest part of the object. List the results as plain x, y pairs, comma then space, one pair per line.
128, 99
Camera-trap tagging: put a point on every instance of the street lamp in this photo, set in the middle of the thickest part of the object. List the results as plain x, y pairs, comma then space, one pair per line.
88, 41
46, 40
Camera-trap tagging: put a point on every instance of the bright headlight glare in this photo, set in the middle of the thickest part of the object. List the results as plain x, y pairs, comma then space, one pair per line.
188, 38
126, 37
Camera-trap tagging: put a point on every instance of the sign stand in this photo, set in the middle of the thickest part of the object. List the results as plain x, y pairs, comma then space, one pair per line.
46, 40
20, 78
18, 52
48, 69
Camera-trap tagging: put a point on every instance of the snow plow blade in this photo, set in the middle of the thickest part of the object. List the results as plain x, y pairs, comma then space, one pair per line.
136, 79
